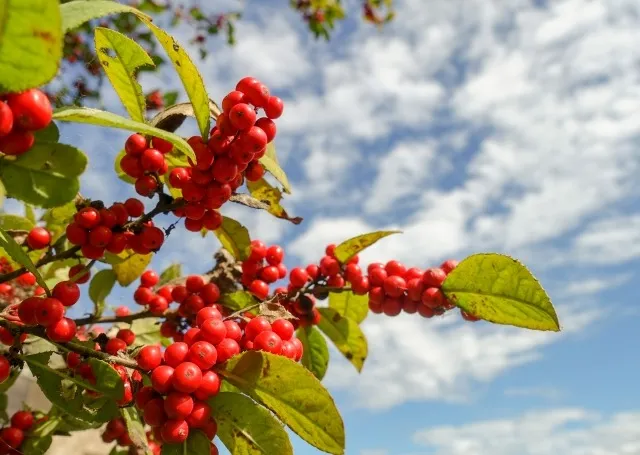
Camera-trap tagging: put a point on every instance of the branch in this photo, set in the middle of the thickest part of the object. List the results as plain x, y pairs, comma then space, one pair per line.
114, 319
67, 254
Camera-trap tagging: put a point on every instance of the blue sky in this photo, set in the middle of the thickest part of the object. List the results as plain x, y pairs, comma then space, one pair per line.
471, 126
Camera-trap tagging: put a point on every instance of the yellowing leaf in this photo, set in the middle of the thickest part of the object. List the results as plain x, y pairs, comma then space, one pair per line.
234, 237
270, 163
346, 335
300, 401
78, 12
499, 289
349, 248
264, 192
350, 305
131, 268
121, 68
246, 428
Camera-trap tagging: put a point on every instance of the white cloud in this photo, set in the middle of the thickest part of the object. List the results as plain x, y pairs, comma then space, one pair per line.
441, 359
594, 285
609, 241
567, 431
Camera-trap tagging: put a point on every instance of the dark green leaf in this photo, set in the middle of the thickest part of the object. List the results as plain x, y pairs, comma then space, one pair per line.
128, 57
349, 248
234, 237
350, 305
300, 401
315, 356
346, 335
499, 289
20, 256
100, 287
135, 428
47, 176
40, 437
30, 43
247, 428
4, 401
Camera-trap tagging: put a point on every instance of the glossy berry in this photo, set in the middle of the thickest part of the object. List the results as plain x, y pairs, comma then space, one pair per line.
153, 412
62, 331
5, 368
149, 279
203, 354
178, 405
213, 330
187, 377
274, 107
17, 142
126, 335
149, 357
31, 109
227, 349
209, 386
283, 328
6, 119
275, 255
135, 207
259, 288
257, 325
115, 345
22, 420
175, 431
152, 160
162, 378
12, 437
67, 292
175, 354
199, 415
38, 238
27, 310
49, 311
434, 277
268, 341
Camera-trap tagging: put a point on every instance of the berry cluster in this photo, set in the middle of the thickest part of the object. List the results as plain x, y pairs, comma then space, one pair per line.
144, 161
230, 155
12, 436
263, 267
157, 302
20, 115
97, 229
116, 430
49, 312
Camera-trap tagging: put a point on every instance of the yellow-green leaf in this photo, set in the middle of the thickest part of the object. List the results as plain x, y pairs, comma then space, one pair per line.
189, 75
78, 12
300, 401
234, 237
270, 162
264, 192
57, 218
246, 428
196, 444
99, 289
119, 172
15, 222
121, 68
30, 43
499, 289
131, 268
315, 355
16, 252
238, 300
349, 248
170, 273
135, 428
102, 118
346, 335
350, 305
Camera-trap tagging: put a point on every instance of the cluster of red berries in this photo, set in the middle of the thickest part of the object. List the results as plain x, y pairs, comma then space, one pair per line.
12, 436
26, 282
98, 230
144, 161
20, 115
157, 302
263, 267
230, 155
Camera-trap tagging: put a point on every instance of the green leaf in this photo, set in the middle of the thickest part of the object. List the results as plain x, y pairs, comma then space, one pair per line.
349, 248
20, 256
100, 287
135, 428
46, 177
110, 120
264, 192
300, 401
197, 443
65, 391
40, 437
30, 43
346, 335
119, 172
246, 428
238, 300
315, 355
29, 213
147, 331
4, 401
170, 273
499, 289
131, 268
189, 74
350, 305
77, 13
3, 194
121, 68
50, 133
57, 218
270, 163
234, 237
108, 379
15, 222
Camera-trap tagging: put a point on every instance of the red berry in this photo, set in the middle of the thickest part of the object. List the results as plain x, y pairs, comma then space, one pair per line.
27, 279
175, 354
360, 286
17, 142
194, 283
329, 266
115, 345
88, 218
175, 431
378, 276
136, 144
162, 378
199, 415
131, 166
149, 279
209, 386
5, 368
394, 286
161, 145
224, 170
143, 296
122, 311
203, 354
62, 331
12, 437
193, 303
227, 349
135, 207
259, 288
207, 313
76, 234
233, 330
146, 185
152, 237
187, 377
434, 277
392, 306
153, 412
127, 336
152, 160
275, 255
283, 328
108, 218
149, 357
274, 107
258, 251
92, 252
288, 350
178, 405
144, 395
448, 265
100, 236
232, 98
256, 326
395, 268
268, 126
191, 336
213, 331
38, 238
268, 341
67, 292
433, 298
31, 109
254, 171
73, 359
178, 177
49, 311
27, 310
468, 316
256, 93
6, 119
270, 274
23, 420
210, 293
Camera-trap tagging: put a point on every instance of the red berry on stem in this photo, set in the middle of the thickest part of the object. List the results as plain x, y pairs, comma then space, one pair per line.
67, 292
6, 119
213, 331
126, 335
275, 255
283, 328
88, 218
187, 377
434, 277
31, 109
227, 349
49, 311
17, 142
175, 431
153, 412
178, 405
100, 236
12, 437
232, 98
23, 420
203, 354
135, 207
115, 345
5, 368
136, 144
274, 107
209, 386
268, 341
62, 331
149, 357
27, 310
199, 415
38, 238
256, 326
448, 265
259, 288
162, 378
176, 353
